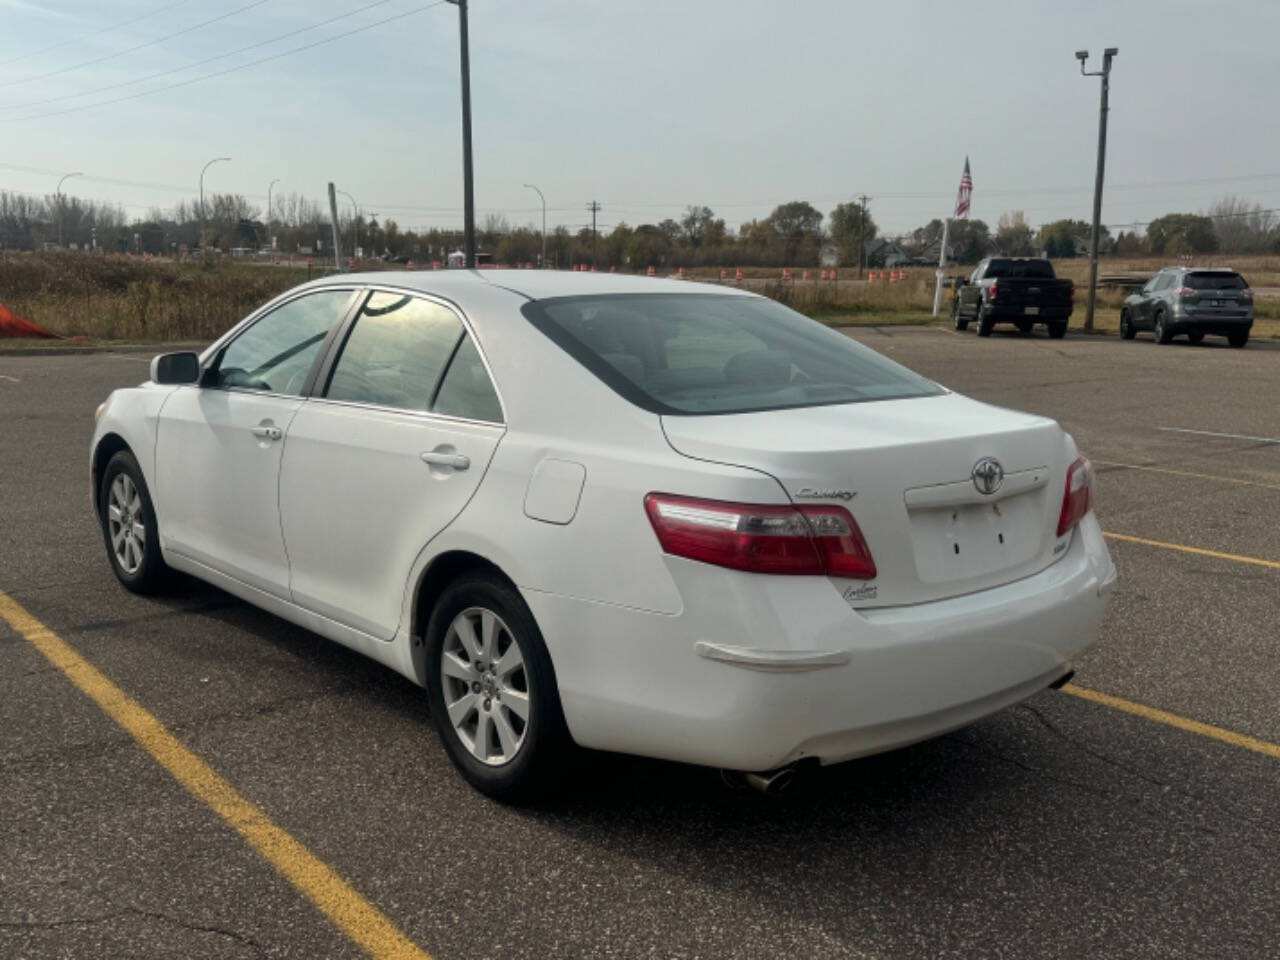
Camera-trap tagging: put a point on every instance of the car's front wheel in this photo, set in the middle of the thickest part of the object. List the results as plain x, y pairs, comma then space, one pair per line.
129, 525
493, 691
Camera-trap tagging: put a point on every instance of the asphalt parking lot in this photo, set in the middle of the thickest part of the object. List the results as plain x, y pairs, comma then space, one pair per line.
1065, 827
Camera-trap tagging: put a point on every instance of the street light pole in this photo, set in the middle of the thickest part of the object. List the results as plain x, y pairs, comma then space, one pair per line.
468, 184
1104, 109
270, 187
203, 225
544, 223
355, 220
64, 179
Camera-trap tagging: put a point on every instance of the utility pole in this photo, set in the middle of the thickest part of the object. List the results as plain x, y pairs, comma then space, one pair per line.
355, 220
60, 205
271, 186
594, 207
862, 231
468, 186
337, 237
1104, 109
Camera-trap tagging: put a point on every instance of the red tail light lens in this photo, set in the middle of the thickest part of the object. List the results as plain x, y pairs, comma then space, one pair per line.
1077, 500
761, 538
1186, 293
1071, 292
993, 291
1246, 295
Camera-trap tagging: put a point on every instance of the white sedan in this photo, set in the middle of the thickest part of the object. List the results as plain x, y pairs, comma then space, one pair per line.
638, 515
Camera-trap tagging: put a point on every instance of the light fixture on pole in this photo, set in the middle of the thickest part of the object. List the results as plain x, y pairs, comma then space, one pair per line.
355, 220
64, 179
544, 223
203, 224
1105, 74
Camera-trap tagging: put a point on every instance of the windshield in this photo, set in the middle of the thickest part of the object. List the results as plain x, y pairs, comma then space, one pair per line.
1215, 281
707, 353
1009, 269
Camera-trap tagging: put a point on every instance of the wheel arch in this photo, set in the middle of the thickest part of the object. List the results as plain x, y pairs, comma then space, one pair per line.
443, 569
108, 446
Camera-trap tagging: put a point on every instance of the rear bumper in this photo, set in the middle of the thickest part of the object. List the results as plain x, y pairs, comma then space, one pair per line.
1198, 323
1011, 314
756, 672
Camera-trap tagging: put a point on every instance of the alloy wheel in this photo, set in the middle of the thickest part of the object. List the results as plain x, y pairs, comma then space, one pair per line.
125, 524
486, 686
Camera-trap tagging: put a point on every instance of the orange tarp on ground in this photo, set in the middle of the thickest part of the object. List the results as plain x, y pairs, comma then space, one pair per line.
13, 326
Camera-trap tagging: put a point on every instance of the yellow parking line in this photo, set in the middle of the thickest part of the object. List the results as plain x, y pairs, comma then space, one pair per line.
1187, 473
1243, 741
314, 879
1198, 551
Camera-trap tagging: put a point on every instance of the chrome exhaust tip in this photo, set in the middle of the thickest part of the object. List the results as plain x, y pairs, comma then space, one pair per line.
772, 782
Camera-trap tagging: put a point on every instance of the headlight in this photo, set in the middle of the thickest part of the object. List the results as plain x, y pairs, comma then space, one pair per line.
97, 414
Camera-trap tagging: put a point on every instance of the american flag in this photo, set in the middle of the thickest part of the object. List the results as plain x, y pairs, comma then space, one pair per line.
966, 191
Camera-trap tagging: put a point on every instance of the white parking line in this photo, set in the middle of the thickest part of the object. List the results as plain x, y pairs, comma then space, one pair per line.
9, 378
1211, 433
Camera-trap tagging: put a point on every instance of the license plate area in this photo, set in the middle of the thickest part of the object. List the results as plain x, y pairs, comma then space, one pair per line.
975, 540
1031, 311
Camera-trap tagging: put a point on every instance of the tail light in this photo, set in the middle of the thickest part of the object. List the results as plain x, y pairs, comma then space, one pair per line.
993, 291
1186, 293
762, 538
1071, 291
1077, 500
1246, 295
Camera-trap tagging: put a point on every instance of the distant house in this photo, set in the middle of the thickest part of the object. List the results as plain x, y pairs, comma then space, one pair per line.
883, 252
928, 254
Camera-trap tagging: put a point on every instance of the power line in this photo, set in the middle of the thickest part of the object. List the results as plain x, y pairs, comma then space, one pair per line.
197, 63
92, 33
222, 73
141, 46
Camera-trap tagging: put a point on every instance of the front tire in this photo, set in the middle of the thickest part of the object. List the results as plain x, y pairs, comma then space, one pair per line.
1127, 329
492, 690
1238, 340
129, 527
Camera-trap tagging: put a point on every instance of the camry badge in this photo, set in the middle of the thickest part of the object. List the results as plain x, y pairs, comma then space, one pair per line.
987, 475
809, 493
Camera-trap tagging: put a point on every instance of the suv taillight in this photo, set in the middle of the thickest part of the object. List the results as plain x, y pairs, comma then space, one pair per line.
993, 291
762, 538
1071, 291
1246, 295
1186, 293
1077, 500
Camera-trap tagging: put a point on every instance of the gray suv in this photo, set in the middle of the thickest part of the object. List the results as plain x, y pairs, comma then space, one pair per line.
1190, 300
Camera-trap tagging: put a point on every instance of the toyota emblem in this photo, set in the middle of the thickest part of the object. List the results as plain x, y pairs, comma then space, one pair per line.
987, 475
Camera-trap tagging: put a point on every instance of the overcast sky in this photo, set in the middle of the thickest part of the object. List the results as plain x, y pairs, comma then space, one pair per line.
647, 106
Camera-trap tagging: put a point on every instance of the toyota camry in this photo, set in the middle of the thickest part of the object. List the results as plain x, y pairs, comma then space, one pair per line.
636, 515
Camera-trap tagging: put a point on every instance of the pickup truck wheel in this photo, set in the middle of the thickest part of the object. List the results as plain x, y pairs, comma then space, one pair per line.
1127, 329
960, 323
985, 324
1161, 330
1058, 330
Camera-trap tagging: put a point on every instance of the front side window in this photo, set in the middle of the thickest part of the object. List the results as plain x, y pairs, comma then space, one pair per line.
709, 353
276, 353
395, 353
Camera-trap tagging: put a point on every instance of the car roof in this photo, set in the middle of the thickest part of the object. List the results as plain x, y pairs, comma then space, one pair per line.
461, 285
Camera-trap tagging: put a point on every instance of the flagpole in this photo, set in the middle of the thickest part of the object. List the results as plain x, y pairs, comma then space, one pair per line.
942, 266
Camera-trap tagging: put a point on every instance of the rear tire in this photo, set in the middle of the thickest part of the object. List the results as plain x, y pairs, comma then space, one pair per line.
1161, 329
1127, 329
129, 527
482, 645
985, 324
1057, 330
960, 324
1238, 340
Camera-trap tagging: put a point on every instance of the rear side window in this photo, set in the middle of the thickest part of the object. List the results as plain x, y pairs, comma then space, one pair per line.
1031, 269
708, 353
466, 390
1214, 281
395, 352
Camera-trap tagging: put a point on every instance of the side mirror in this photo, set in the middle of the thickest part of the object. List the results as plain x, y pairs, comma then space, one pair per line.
176, 368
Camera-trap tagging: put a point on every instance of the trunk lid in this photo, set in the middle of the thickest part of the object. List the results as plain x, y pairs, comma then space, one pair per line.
904, 469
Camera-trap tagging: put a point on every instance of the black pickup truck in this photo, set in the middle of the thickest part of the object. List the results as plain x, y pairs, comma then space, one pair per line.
1018, 290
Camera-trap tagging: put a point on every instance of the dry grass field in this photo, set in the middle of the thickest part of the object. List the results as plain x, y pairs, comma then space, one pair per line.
112, 298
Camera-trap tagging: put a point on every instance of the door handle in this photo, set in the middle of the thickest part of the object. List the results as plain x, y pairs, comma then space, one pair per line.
458, 461
267, 432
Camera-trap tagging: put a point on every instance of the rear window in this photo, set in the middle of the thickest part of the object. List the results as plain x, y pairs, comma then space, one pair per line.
708, 353
1031, 269
1214, 281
